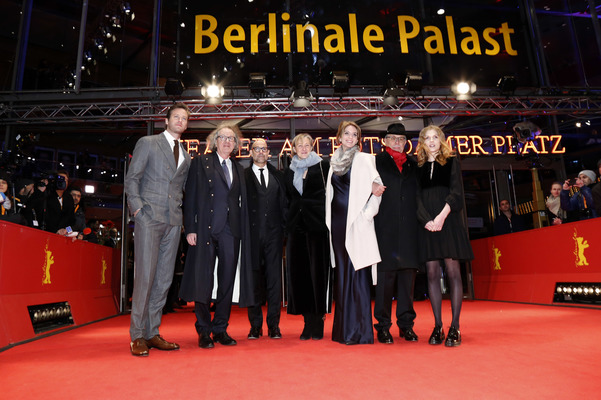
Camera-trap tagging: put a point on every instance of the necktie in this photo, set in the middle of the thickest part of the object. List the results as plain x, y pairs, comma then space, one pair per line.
226, 171
262, 178
176, 152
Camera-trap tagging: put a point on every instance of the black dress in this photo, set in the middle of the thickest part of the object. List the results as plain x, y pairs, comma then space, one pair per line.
307, 246
440, 185
352, 313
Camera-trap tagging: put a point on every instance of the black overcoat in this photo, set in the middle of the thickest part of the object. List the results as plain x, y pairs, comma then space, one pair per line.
198, 217
396, 222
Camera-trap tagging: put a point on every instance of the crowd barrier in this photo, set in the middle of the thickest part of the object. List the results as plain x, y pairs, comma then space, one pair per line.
526, 266
49, 282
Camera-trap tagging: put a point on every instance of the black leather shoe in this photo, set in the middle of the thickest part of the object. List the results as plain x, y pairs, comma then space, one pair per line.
454, 338
275, 333
224, 339
317, 331
255, 333
385, 337
205, 341
408, 334
437, 336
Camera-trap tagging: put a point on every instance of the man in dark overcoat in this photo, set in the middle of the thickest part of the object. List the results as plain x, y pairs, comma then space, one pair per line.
396, 229
216, 227
267, 207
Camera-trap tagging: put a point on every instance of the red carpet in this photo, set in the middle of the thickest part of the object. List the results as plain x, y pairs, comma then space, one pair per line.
509, 351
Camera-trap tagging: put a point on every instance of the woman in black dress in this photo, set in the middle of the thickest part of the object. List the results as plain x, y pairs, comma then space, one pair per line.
307, 253
443, 235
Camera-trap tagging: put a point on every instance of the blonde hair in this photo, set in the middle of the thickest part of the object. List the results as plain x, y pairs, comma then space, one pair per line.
341, 129
298, 138
422, 152
212, 138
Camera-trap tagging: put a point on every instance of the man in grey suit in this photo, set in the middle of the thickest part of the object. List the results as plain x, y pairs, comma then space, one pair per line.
154, 187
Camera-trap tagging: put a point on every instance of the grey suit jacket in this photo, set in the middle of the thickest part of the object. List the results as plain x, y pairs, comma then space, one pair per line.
153, 184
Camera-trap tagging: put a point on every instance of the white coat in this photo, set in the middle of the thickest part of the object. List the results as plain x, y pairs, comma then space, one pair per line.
360, 241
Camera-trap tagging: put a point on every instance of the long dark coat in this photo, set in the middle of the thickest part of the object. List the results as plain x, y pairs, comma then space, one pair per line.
396, 222
198, 217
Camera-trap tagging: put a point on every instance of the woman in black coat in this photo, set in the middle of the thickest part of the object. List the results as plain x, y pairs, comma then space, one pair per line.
307, 248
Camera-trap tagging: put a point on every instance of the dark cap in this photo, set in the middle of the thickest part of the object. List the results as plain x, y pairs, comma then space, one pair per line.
394, 129
4, 175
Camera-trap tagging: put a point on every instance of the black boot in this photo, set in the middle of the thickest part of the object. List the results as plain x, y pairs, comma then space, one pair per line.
317, 331
306, 334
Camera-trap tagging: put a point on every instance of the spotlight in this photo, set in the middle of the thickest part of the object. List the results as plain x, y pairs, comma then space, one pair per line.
340, 82
463, 90
414, 83
440, 11
391, 93
174, 87
580, 292
507, 84
256, 84
213, 93
301, 96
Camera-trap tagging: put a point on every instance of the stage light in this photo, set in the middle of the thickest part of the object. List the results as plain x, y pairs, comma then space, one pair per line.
89, 189
301, 96
507, 84
463, 90
340, 82
45, 317
213, 93
414, 83
581, 292
174, 87
256, 83
391, 93
440, 11
578, 124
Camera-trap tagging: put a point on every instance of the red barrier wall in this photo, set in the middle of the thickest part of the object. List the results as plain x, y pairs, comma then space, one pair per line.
524, 266
37, 267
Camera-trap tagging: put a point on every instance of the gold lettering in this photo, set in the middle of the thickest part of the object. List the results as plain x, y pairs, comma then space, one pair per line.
300, 38
371, 141
286, 33
477, 145
229, 37
470, 45
451, 35
200, 33
368, 38
499, 141
337, 37
543, 148
463, 146
286, 148
556, 142
506, 31
404, 35
255, 30
490, 40
435, 43
352, 24
273, 38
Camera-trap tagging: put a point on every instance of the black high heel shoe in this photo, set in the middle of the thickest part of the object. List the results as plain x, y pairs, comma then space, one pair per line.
454, 338
437, 336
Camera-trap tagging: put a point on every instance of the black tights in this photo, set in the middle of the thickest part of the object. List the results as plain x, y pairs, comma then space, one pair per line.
454, 277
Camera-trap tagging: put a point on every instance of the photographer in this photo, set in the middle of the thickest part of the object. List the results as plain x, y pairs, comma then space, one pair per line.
5, 200
579, 205
50, 210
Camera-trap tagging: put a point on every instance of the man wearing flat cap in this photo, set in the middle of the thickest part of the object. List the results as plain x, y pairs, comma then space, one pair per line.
396, 229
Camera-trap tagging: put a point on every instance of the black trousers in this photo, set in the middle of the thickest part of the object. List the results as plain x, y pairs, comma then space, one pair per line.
398, 284
225, 247
267, 280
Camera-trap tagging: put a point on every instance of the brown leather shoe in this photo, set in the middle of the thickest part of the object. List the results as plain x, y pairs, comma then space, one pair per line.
139, 347
157, 342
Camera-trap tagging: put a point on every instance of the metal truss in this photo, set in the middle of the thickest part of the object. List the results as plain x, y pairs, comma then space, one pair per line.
59, 111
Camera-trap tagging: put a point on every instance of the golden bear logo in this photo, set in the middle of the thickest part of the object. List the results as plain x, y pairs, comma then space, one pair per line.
103, 278
581, 245
48, 261
496, 255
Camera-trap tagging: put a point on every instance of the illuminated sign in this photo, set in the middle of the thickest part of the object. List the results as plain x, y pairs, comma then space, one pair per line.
333, 38
463, 145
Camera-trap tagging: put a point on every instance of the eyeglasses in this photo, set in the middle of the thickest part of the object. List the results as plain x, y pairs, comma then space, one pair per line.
227, 138
396, 139
261, 149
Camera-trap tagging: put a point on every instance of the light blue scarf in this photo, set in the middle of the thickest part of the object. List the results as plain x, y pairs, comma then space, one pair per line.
299, 167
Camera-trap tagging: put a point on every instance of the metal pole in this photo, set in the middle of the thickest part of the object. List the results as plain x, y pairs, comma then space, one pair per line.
82, 37
156, 41
22, 40
596, 27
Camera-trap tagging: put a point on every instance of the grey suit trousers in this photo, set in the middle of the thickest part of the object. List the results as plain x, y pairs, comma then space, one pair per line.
156, 245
